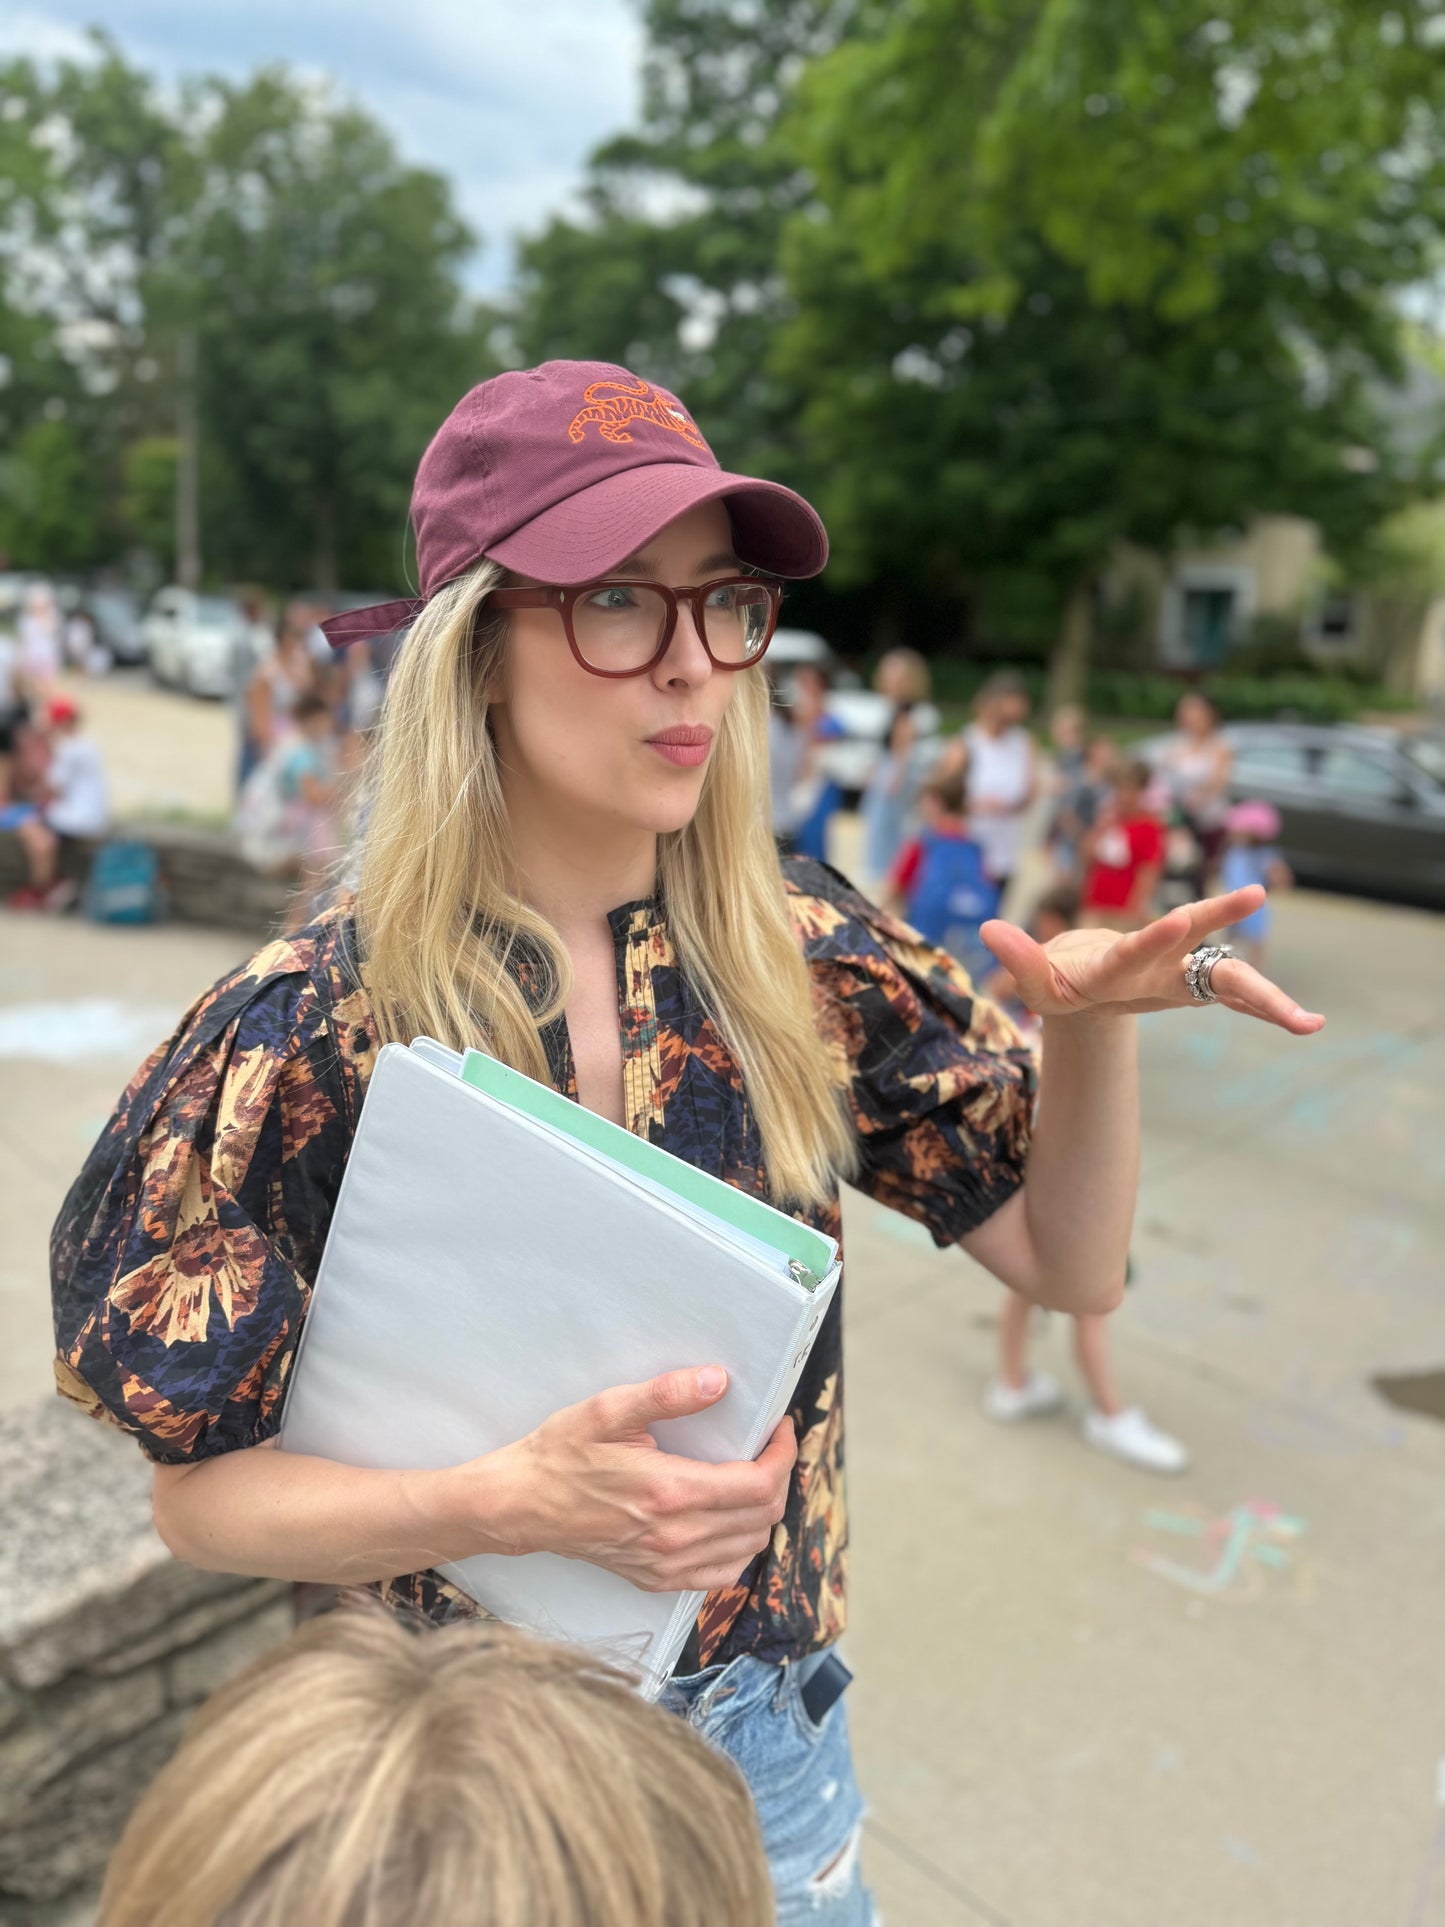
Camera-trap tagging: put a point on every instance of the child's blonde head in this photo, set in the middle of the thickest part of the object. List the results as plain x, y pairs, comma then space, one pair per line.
372, 1774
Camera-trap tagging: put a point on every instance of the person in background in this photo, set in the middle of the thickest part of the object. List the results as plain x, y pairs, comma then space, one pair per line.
74, 809
374, 1773
890, 796
940, 878
1250, 856
1197, 765
1019, 1392
816, 797
12, 697
1068, 736
1003, 772
277, 684
255, 643
83, 649
786, 746
39, 637
1084, 778
1123, 854
309, 782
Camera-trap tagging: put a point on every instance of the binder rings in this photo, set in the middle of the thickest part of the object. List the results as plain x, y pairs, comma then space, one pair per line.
498, 1253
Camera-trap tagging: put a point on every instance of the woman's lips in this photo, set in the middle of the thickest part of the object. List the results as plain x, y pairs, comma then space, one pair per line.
685, 744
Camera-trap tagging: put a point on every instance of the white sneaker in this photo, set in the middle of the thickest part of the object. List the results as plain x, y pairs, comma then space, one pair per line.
1039, 1393
1131, 1435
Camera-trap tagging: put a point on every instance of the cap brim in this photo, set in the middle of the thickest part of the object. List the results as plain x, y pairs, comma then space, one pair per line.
379, 619
593, 531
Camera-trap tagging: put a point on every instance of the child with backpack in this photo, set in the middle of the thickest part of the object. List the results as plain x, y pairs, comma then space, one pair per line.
940, 880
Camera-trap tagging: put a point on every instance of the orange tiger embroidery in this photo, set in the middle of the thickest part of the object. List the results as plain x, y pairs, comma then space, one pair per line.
641, 403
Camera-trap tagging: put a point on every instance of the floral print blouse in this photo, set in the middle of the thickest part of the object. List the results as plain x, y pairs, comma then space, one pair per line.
184, 1255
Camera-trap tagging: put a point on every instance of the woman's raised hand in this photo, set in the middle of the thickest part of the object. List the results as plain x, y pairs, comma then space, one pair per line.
1107, 972
592, 1483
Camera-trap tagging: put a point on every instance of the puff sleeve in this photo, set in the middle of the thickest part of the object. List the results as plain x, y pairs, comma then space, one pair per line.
941, 1086
183, 1257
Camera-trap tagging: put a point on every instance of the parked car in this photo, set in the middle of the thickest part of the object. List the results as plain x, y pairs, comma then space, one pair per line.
195, 642
863, 713
1360, 808
116, 614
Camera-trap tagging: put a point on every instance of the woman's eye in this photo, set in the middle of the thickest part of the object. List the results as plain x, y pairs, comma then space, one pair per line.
723, 598
611, 600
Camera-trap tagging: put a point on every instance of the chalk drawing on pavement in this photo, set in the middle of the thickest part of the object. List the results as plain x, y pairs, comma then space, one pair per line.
1235, 1551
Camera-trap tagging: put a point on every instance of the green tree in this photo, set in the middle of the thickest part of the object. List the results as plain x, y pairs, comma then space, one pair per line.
1073, 273
333, 331
674, 266
268, 234
48, 501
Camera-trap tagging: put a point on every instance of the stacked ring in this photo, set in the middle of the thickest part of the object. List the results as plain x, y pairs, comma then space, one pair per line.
1199, 970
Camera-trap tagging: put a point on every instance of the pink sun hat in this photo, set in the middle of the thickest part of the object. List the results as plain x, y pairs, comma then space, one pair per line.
563, 471
1255, 818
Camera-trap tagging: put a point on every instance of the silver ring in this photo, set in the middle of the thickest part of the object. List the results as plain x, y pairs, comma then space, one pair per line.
1199, 970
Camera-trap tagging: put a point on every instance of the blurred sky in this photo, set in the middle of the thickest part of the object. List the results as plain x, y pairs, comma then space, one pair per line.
504, 96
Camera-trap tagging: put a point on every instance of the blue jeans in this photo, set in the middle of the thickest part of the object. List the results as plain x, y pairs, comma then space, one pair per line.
801, 1779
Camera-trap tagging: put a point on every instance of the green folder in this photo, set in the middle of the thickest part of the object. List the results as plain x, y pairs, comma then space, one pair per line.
808, 1250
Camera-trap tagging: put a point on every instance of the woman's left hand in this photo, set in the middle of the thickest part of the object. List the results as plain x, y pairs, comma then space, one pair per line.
1109, 973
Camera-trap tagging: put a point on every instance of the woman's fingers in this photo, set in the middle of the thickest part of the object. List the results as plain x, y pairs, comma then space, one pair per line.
1024, 959
1242, 988
1218, 913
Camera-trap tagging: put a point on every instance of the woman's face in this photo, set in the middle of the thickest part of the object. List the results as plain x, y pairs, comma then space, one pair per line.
585, 750
1194, 715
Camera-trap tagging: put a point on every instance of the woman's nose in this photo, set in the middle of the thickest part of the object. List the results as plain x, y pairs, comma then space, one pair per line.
687, 658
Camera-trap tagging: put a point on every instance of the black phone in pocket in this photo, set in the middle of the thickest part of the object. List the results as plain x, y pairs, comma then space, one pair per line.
824, 1687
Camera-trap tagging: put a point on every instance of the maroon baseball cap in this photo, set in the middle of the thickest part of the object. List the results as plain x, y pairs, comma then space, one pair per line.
563, 471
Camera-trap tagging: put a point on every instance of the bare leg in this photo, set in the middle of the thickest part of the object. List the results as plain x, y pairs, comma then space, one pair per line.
42, 848
1091, 1348
1013, 1341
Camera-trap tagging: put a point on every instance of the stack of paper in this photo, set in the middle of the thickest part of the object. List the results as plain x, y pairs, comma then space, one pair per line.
498, 1253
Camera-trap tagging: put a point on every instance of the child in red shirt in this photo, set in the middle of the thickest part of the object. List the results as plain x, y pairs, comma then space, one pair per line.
1123, 855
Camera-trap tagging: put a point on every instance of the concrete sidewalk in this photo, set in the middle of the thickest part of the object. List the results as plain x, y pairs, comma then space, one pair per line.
1084, 1698
1087, 1698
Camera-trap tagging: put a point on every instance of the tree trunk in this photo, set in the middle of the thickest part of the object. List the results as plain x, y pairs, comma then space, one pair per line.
1069, 664
188, 465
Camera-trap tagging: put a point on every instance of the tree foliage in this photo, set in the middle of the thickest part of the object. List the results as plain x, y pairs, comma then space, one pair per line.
1080, 273
316, 273
1002, 282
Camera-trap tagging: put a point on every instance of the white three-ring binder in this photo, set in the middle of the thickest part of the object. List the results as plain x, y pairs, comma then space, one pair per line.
498, 1253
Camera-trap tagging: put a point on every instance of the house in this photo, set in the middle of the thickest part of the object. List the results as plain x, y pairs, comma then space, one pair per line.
1273, 579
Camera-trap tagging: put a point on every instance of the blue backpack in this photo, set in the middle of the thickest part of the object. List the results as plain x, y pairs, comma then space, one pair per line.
953, 893
124, 885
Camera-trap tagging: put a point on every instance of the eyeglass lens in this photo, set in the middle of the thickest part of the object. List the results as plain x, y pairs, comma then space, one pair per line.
619, 625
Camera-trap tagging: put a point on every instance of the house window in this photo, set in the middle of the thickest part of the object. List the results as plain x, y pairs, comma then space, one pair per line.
1336, 624
1208, 624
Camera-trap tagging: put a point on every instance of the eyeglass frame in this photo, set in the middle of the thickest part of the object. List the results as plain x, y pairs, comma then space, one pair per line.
564, 600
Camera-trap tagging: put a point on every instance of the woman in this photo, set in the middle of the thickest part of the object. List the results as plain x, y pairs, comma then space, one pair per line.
1197, 766
1003, 772
569, 859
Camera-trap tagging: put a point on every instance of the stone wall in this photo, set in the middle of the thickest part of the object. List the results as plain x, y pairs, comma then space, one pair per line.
107, 1644
207, 878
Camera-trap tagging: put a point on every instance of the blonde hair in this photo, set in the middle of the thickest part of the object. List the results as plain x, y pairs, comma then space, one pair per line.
441, 915
369, 1773
913, 673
